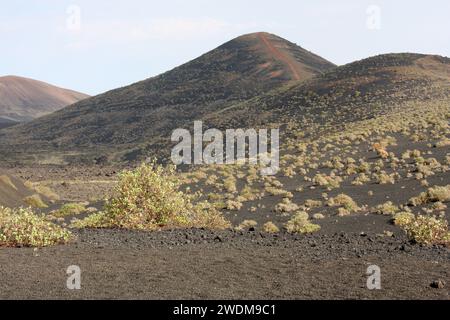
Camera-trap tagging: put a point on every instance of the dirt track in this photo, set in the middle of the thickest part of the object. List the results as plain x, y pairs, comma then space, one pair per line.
197, 264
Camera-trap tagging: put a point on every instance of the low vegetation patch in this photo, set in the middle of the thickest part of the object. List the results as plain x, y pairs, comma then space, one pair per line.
270, 227
70, 209
148, 198
426, 230
246, 224
346, 203
300, 224
434, 194
22, 228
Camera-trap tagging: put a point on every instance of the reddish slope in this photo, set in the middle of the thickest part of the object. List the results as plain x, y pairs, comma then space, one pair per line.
281, 56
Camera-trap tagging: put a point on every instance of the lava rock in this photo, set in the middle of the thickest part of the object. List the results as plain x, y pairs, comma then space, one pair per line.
438, 284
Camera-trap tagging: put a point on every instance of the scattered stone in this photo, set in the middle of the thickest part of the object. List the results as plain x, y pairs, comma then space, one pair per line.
438, 284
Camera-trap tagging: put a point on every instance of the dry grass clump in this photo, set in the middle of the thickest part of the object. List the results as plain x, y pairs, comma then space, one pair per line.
233, 205
433, 194
318, 216
22, 228
384, 178
35, 201
347, 204
387, 208
300, 224
270, 227
246, 224
443, 143
274, 191
313, 203
286, 205
328, 182
148, 198
426, 230
361, 179
230, 184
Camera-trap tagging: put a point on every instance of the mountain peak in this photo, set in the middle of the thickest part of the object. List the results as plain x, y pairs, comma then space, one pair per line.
281, 58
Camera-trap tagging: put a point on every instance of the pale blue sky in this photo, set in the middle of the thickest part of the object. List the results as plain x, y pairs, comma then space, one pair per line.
123, 41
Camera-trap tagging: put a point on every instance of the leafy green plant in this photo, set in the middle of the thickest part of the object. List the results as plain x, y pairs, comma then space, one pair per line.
426, 230
148, 198
21, 227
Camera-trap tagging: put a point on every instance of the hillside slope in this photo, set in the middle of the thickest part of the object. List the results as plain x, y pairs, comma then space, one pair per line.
357, 91
23, 99
125, 118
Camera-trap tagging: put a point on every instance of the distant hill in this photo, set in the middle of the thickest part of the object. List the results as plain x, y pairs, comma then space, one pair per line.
146, 112
23, 99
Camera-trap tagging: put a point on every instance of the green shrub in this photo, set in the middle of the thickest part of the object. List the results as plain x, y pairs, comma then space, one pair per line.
148, 198
21, 227
427, 230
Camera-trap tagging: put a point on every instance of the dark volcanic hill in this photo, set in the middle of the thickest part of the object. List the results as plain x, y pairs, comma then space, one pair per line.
148, 111
357, 91
23, 99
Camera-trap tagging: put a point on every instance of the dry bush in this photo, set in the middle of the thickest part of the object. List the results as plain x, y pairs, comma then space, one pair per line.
270, 227
345, 201
328, 182
246, 224
233, 205
387, 208
286, 206
433, 194
300, 224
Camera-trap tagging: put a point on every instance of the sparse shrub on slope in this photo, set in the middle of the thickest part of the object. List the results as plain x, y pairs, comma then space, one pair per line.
21, 227
347, 204
300, 224
270, 227
148, 198
433, 194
